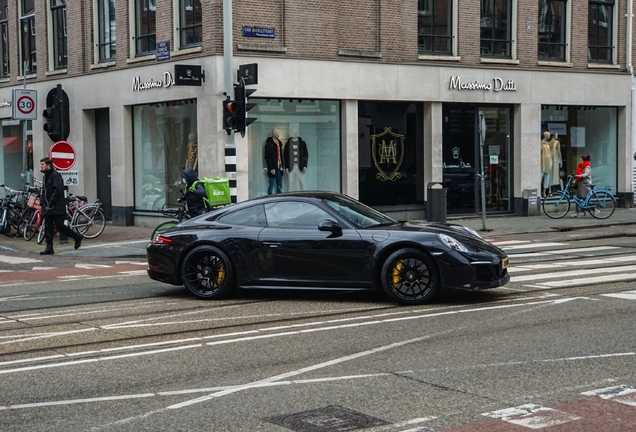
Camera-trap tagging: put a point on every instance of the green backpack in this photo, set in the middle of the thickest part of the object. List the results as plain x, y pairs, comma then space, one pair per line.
217, 191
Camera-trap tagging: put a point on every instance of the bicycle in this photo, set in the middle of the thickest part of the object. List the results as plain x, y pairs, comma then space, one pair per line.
11, 208
600, 204
179, 215
32, 216
84, 218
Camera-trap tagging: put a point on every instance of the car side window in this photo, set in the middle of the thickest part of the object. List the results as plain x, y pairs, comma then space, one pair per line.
251, 216
294, 214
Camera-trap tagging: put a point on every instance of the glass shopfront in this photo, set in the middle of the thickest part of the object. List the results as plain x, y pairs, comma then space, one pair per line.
11, 155
165, 143
476, 139
294, 145
569, 132
390, 148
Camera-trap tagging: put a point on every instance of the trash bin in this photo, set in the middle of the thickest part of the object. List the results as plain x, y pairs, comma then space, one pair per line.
436, 202
530, 202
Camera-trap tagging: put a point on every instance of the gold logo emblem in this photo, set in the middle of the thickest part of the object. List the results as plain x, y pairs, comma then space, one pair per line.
387, 149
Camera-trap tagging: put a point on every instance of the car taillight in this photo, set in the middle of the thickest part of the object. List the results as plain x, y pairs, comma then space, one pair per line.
161, 240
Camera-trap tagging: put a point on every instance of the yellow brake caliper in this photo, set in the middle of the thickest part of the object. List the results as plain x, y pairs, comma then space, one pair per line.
397, 269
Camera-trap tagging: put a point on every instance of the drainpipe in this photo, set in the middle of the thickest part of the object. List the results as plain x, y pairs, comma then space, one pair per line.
628, 36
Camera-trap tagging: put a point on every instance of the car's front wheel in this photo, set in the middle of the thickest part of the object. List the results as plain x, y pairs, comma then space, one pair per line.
208, 273
410, 277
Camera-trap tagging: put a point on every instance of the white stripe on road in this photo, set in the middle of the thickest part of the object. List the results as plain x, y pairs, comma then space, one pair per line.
579, 263
579, 272
588, 281
627, 295
17, 260
532, 246
563, 251
532, 416
623, 394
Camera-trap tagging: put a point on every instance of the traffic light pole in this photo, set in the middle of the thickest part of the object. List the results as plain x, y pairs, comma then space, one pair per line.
24, 134
228, 78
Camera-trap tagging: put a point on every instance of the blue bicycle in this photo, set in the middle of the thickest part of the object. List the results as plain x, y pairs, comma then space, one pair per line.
600, 204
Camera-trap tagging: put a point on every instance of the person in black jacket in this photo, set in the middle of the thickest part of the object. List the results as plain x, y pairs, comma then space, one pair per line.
194, 195
54, 207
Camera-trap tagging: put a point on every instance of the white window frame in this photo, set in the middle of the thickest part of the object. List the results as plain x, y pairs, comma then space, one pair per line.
96, 36
454, 43
20, 41
51, 38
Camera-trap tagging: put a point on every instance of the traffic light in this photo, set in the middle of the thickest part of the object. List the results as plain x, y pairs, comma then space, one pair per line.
229, 115
56, 114
241, 95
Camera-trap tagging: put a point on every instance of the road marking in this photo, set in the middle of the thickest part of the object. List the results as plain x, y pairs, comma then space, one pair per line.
106, 245
578, 272
17, 260
143, 263
567, 263
627, 295
91, 266
507, 242
622, 393
532, 416
588, 281
532, 246
563, 251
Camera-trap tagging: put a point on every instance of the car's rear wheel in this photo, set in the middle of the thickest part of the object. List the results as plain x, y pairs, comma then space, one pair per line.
208, 273
410, 277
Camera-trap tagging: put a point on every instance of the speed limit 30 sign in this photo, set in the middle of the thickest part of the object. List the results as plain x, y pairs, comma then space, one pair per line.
25, 104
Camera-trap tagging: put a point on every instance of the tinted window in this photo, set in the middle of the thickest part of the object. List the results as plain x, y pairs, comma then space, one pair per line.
294, 215
251, 216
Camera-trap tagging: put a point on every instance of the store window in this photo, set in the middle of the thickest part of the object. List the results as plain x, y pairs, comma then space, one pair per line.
578, 130
13, 154
303, 136
165, 143
552, 30
390, 161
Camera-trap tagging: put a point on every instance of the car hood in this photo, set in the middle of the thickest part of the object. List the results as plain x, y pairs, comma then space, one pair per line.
459, 232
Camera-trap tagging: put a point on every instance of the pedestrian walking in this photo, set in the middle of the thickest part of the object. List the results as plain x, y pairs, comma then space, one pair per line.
53, 204
583, 177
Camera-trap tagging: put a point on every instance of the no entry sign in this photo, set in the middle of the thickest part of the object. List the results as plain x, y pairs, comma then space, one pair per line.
63, 155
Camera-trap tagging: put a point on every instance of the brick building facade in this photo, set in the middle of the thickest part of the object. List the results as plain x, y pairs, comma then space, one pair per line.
387, 95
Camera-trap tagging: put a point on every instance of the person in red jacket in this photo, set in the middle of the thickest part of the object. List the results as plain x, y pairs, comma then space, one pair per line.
584, 178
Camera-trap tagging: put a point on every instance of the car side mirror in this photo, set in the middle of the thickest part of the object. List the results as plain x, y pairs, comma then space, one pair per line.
330, 226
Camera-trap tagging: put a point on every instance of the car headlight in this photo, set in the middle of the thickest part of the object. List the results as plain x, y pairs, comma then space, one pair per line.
452, 243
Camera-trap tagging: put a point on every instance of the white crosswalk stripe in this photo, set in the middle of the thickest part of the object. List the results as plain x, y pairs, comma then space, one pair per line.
532, 416
627, 295
17, 260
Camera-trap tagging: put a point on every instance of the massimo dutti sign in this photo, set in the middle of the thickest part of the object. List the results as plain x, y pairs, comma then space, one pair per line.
139, 85
496, 85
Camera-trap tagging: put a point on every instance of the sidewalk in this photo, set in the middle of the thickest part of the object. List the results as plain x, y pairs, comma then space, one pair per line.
130, 241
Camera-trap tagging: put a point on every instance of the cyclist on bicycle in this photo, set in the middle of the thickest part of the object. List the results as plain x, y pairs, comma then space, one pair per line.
194, 192
584, 178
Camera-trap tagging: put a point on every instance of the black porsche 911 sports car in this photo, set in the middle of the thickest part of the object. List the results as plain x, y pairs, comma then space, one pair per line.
322, 240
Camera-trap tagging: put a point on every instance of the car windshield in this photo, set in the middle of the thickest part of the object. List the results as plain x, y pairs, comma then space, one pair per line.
357, 213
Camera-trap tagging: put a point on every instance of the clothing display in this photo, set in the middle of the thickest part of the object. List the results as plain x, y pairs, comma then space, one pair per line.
557, 161
296, 158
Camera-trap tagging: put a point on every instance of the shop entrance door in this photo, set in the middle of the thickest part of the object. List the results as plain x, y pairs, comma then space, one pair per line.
102, 143
461, 153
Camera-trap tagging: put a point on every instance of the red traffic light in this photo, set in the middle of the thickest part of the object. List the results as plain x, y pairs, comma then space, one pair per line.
230, 106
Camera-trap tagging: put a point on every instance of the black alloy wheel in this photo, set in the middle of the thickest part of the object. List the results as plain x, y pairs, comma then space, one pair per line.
208, 273
410, 277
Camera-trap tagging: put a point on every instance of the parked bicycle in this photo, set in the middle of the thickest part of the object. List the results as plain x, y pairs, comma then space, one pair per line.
601, 204
83, 217
11, 208
179, 214
32, 218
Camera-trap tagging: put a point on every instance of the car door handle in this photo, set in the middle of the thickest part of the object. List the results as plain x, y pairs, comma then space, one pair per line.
272, 244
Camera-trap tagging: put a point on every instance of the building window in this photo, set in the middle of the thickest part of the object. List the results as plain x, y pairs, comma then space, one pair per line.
308, 135
145, 27
435, 27
106, 30
58, 39
11, 154
28, 63
495, 24
600, 28
4, 44
190, 27
552, 30
165, 143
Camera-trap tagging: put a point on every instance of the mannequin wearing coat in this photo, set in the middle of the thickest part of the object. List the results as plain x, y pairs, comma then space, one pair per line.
296, 157
546, 163
557, 161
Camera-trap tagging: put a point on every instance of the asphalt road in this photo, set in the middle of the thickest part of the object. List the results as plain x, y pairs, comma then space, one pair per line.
101, 347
